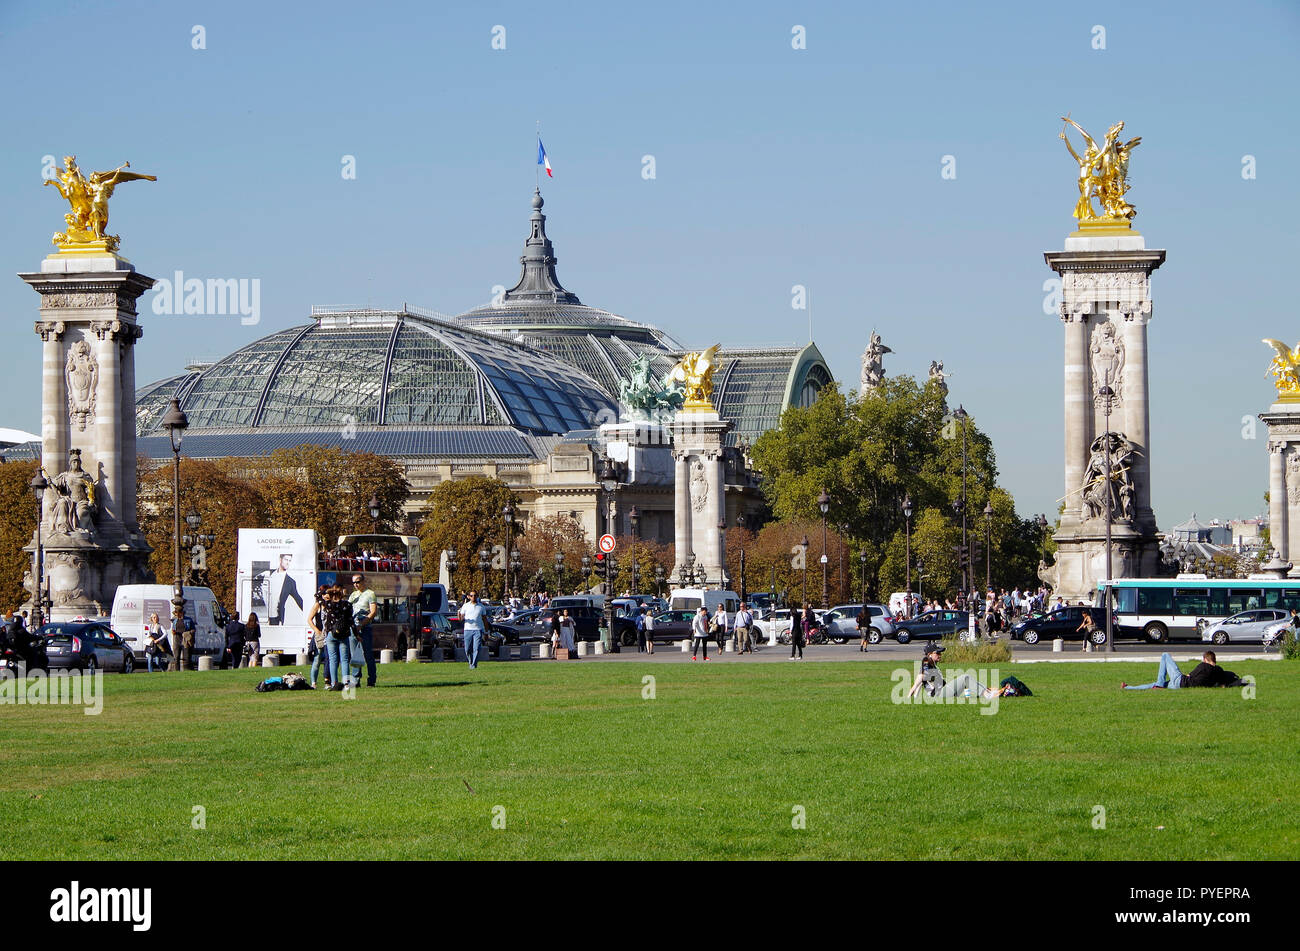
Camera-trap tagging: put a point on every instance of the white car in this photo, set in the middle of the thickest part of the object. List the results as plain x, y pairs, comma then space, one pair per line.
1244, 627
773, 623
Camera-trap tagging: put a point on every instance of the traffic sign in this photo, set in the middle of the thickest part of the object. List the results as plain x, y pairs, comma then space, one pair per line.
607, 543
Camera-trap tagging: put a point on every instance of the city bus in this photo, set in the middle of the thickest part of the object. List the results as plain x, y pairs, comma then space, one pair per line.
1180, 608
279, 570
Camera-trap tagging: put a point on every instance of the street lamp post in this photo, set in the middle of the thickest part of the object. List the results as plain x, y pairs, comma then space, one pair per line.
374, 512
659, 580
559, 567
963, 415
824, 503
484, 561
1106, 394
907, 536
744, 595
609, 482
451, 570
803, 545
920, 573
175, 422
516, 564
862, 560
38, 485
508, 514
634, 519
586, 568
198, 543
988, 544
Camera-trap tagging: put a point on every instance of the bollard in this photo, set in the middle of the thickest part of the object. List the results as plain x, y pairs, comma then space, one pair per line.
270, 660
525, 651
544, 651
385, 656
302, 660
505, 652
583, 648
460, 653
205, 662
731, 645
1058, 645
600, 647
686, 645
412, 655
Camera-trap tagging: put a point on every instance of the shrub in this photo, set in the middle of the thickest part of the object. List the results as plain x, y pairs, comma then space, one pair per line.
980, 651
1290, 646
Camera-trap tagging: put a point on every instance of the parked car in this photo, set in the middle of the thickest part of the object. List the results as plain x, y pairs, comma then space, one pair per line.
931, 624
673, 625
586, 622
1065, 625
86, 646
519, 627
842, 623
1244, 627
773, 622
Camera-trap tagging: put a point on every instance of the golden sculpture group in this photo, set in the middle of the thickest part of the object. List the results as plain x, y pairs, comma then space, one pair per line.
695, 372
1103, 174
1285, 368
87, 223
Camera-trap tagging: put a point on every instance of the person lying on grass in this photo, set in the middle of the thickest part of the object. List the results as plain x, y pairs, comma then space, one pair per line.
1207, 673
933, 681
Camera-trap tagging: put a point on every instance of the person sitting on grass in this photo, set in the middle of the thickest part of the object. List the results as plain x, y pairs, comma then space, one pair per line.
1207, 673
932, 680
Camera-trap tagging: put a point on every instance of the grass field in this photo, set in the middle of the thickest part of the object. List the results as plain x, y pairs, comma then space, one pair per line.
713, 767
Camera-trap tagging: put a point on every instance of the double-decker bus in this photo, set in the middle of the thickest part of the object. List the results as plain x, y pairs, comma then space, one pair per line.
279, 571
1163, 608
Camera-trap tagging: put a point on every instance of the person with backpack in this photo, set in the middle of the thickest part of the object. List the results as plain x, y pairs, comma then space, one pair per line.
638, 621
234, 642
338, 637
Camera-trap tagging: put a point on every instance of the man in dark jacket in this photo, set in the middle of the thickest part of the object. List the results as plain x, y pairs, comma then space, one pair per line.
234, 642
1207, 673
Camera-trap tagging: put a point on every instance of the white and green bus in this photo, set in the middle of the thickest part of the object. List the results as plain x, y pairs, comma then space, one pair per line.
1159, 609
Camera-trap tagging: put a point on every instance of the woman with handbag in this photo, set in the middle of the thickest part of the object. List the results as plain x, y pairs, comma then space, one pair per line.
156, 647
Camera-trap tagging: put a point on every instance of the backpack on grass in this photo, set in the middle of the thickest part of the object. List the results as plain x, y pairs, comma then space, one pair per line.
269, 684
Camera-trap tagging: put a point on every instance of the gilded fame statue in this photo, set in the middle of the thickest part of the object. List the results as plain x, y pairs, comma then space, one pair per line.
695, 373
1285, 367
1103, 174
87, 223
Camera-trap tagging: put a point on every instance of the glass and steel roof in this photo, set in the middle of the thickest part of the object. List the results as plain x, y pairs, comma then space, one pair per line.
361, 369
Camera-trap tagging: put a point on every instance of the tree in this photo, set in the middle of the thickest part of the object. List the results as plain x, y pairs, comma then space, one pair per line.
226, 504
538, 546
465, 514
868, 452
17, 526
329, 490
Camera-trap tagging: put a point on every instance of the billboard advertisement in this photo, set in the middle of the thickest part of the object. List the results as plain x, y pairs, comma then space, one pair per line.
276, 580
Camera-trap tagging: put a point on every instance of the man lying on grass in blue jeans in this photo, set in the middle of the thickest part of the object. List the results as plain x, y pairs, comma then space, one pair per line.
1207, 673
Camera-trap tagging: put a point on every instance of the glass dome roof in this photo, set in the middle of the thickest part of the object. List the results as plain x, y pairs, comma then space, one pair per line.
380, 368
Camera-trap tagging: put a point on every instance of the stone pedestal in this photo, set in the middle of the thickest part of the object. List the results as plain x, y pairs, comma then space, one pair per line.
1283, 421
91, 541
699, 482
1106, 304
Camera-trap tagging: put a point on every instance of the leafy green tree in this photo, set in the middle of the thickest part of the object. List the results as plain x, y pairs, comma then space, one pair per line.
465, 514
17, 526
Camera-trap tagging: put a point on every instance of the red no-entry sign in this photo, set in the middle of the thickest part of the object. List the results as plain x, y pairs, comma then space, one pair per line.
607, 543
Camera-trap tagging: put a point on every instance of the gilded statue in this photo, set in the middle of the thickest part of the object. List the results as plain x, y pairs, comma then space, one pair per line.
87, 222
1103, 173
695, 372
1285, 368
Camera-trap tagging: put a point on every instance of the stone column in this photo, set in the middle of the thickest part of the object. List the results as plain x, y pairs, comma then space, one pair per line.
128, 501
1078, 407
717, 493
682, 507
1137, 411
54, 420
108, 414
1278, 531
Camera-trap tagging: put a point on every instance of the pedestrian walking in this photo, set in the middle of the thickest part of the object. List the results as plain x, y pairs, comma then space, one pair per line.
338, 638
156, 647
253, 640
721, 626
234, 643
798, 629
700, 630
744, 629
649, 627
472, 613
364, 608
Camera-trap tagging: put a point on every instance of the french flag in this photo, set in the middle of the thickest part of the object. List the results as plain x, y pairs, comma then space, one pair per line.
542, 159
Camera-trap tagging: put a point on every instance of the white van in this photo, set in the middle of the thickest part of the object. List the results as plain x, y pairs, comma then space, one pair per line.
689, 599
133, 603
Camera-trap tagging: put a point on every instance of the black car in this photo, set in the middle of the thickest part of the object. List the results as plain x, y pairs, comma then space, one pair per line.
518, 629
86, 646
1065, 625
673, 625
586, 623
931, 625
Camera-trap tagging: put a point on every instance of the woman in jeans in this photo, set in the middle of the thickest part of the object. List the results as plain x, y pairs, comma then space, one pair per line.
156, 648
316, 642
252, 640
338, 634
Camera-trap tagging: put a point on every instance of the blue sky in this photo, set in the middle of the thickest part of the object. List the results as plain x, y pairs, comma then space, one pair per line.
774, 167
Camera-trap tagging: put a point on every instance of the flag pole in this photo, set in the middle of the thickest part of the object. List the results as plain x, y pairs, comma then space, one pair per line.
537, 175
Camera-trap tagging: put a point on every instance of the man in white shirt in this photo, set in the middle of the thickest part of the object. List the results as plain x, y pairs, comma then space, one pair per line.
744, 627
472, 612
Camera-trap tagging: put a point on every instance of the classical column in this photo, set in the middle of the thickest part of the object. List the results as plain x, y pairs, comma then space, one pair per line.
1078, 405
1277, 521
717, 510
54, 400
682, 507
127, 505
1137, 412
108, 424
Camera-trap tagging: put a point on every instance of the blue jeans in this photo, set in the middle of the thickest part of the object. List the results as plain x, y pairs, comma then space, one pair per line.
157, 659
1168, 676
340, 654
473, 646
318, 660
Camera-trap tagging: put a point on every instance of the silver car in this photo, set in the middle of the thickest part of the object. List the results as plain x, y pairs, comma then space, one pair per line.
1247, 626
842, 623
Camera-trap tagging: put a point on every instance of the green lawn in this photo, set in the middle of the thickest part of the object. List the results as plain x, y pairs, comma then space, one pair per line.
713, 767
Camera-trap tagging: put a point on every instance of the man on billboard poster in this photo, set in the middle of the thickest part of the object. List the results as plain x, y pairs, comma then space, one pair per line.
280, 589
